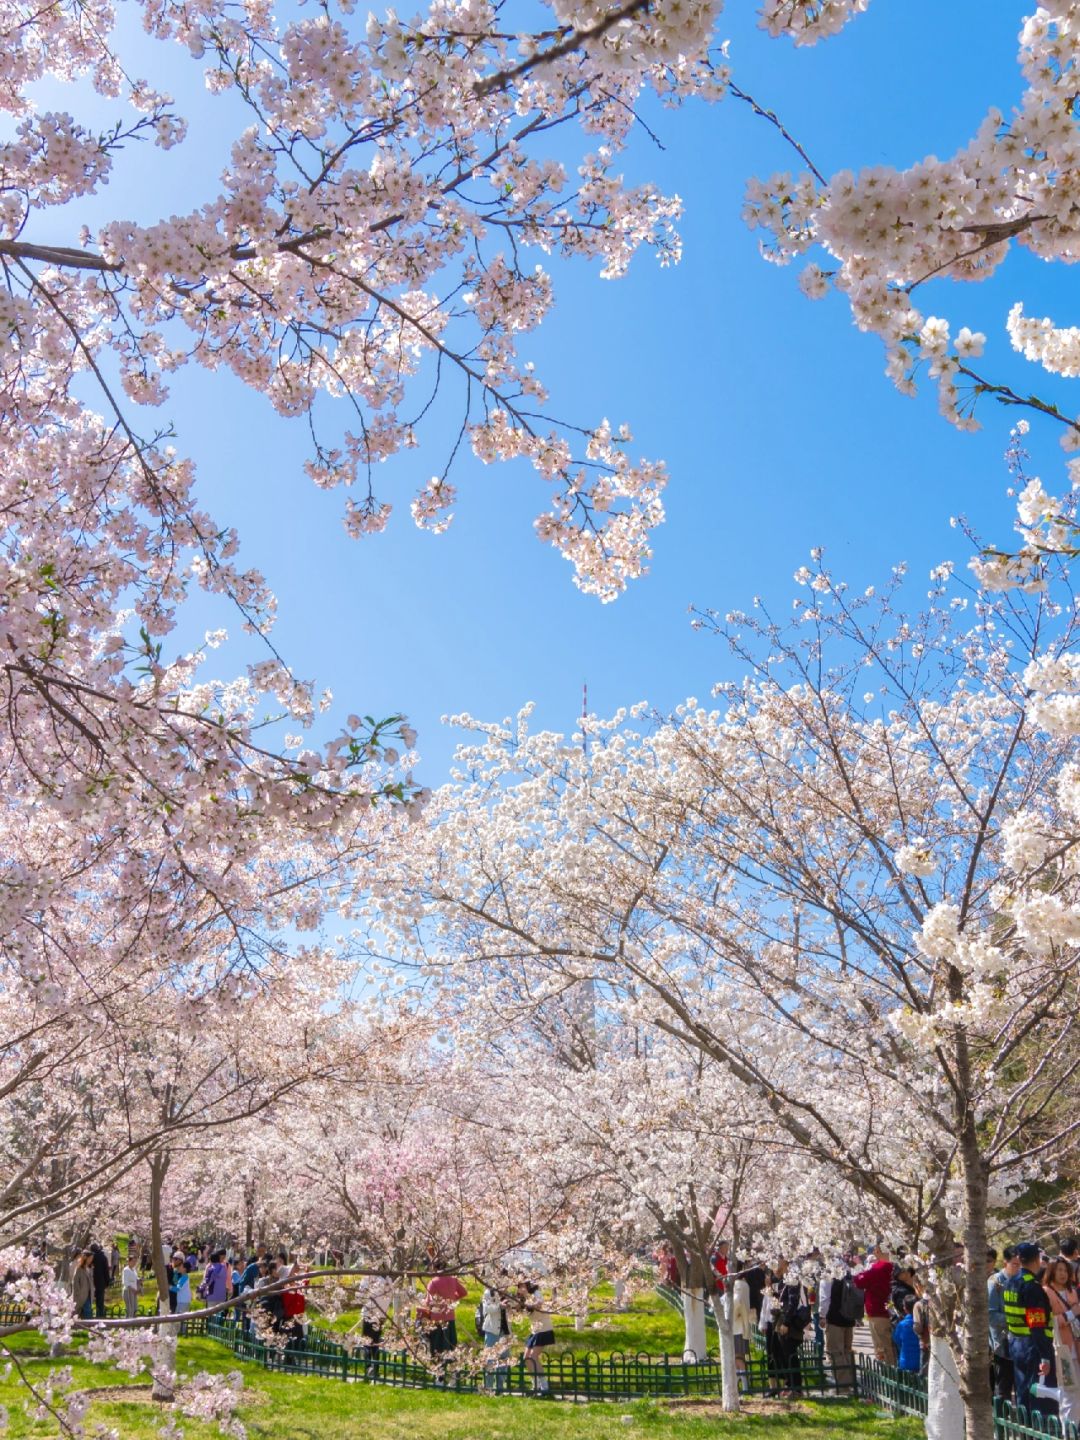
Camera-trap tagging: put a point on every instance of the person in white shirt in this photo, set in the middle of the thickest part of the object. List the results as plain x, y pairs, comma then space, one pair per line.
541, 1334
740, 1318
131, 1285
496, 1337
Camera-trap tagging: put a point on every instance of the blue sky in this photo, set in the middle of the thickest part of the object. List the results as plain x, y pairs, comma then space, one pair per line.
778, 425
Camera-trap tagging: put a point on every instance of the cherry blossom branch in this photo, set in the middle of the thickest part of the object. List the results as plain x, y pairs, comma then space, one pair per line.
66, 1428
774, 119
1005, 395
574, 40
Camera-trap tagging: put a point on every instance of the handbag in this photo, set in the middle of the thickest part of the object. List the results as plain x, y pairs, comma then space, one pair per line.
1070, 1317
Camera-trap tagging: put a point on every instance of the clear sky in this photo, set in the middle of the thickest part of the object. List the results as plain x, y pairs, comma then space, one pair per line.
780, 430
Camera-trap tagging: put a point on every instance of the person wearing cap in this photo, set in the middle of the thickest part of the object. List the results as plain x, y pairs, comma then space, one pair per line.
1001, 1361
1031, 1333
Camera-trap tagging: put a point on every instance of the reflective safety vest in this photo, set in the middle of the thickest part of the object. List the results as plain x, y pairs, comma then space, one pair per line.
1024, 1303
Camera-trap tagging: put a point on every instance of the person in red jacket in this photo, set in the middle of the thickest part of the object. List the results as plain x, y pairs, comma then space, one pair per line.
876, 1283
720, 1265
443, 1293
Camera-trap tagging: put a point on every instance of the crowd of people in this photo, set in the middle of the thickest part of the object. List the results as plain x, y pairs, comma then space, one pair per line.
1033, 1298
280, 1310
1034, 1305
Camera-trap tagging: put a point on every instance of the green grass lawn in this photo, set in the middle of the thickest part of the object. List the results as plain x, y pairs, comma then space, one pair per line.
284, 1407
648, 1325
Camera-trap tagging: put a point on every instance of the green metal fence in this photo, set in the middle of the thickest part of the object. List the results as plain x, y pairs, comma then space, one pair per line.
588, 1376
569, 1375
905, 1393
1013, 1424
901, 1391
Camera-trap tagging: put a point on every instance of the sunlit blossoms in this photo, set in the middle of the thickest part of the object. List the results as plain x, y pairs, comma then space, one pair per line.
887, 233
840, 900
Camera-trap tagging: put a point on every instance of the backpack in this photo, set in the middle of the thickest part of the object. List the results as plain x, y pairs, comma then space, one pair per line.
292, 1304
478, 1319
852, 1303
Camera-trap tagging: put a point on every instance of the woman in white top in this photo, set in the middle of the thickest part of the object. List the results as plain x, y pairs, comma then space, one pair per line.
132, 1285
492, 1322
739, 1299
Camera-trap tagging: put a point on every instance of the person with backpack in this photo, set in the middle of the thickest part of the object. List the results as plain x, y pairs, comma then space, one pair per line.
840, 1308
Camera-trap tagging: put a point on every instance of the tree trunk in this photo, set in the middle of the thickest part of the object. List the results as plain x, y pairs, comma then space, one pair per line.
729, 1375
975, 1345
945, 1414
695, 1344
945, 1409
164, 1360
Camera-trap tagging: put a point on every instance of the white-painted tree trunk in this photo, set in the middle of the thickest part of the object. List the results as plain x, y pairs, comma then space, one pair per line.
580, 1320
945, 1408
620, 1294
694, 1343
164, 1363
729, 1375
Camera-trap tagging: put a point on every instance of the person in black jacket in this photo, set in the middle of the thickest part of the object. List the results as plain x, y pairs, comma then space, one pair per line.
904, 1286
100, 1266
788, 1315
791, 1322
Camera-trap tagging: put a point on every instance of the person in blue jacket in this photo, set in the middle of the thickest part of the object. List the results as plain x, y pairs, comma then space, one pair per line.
908, 1349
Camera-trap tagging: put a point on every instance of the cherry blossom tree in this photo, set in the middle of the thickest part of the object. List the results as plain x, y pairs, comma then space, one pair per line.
851, 883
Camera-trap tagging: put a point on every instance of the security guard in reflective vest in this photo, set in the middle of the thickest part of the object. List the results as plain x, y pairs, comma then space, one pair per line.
1031, 1333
